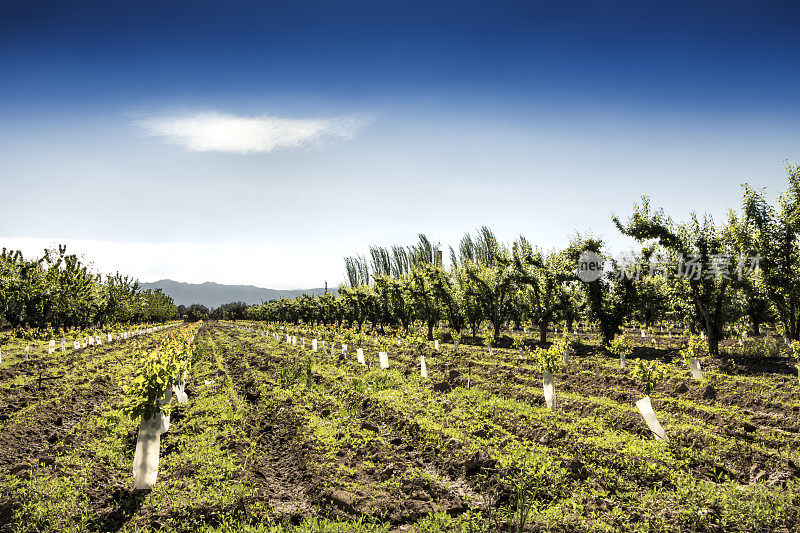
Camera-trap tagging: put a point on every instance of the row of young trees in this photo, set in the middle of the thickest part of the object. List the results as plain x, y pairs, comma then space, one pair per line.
703, 274
197, 312
57, 291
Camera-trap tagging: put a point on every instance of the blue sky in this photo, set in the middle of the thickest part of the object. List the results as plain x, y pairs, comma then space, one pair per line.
266, 140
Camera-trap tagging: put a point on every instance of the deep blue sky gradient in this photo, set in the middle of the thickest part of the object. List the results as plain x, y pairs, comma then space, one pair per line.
718, 56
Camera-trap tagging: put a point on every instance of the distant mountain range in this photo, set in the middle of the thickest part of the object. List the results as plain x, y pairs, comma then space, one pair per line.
215, 294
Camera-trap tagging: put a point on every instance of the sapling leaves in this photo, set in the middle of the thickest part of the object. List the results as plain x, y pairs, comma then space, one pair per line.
648, 373
548, 359
155, 375
695, 347
620, 345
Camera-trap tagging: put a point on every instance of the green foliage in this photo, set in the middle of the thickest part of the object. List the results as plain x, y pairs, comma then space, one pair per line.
155, 374
491, 338
519, 343
418, 343
697, 239
456, 339
609, 299
383, 344
548, 358
620, 345
776, 239
543, 294
771, 347
648, 373
57, 291
564, 343
695, 347
309, 371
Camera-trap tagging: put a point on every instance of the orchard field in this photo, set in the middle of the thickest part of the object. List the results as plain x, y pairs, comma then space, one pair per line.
278, 437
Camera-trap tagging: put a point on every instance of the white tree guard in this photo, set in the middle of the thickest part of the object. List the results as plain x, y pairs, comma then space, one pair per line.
646, 408
622, 360
179, 389
694, 366
314, 345
549, 389
384, 358
360, 356
423, 368
148, 444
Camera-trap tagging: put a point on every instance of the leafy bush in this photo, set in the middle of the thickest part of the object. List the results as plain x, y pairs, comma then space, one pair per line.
519, 344
648, 373
695, 347
548, 358
620, 345
563, 343
418, 343
155, 375
456, 339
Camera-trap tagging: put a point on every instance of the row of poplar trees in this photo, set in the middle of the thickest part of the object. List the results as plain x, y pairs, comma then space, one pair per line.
755, 279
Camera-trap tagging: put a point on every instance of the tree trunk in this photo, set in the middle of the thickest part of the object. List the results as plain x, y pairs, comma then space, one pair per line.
430, 330
542, 332
713, 341
605, 329
756, 323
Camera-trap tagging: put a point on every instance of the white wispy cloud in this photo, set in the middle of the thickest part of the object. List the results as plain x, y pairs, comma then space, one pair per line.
218, 132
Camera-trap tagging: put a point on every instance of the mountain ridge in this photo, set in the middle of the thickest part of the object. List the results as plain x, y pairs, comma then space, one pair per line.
212, 294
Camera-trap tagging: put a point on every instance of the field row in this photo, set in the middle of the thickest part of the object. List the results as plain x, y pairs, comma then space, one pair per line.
277, 437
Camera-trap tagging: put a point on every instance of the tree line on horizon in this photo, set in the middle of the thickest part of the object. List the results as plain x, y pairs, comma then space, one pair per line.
57, 292
486, 281
517, 283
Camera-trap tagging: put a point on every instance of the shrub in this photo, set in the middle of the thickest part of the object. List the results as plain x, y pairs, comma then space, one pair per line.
695, 347
648, 373
620, 345
548, 358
